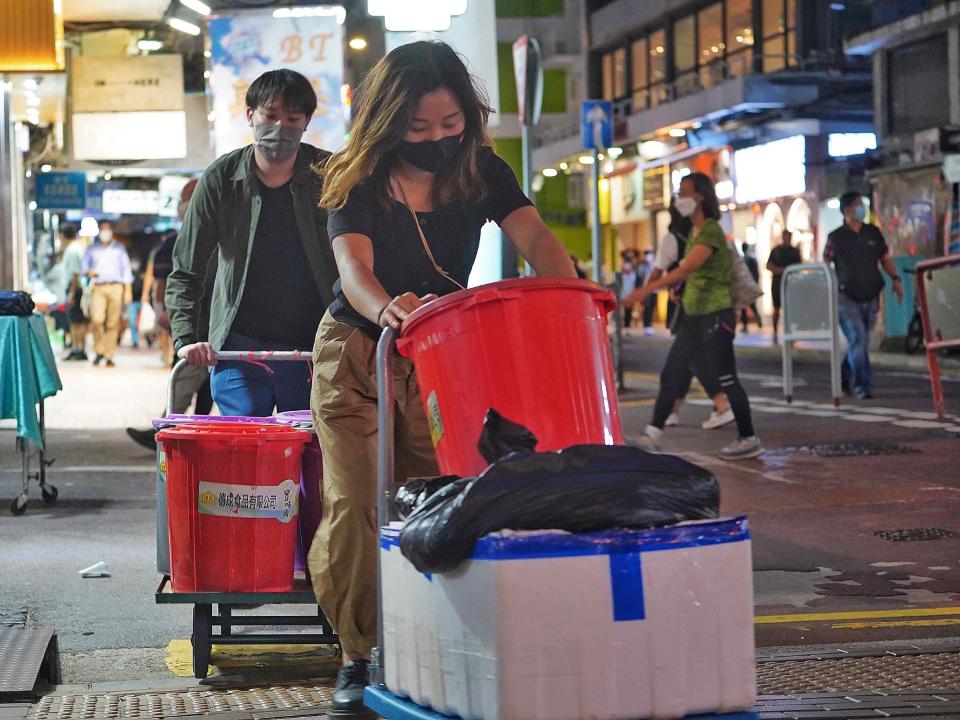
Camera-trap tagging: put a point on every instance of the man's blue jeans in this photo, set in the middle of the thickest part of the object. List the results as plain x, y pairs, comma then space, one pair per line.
243, 388
856, 321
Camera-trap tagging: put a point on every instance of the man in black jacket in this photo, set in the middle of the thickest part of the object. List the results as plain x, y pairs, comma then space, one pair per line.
857, 250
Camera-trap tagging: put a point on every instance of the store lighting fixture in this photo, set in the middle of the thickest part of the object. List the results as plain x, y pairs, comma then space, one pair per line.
29, 173
585, 159
549, 172
564, 166
198, 7
416, 15
724, 189
357, 43
107, 176
183, 26
207, 54
833, 203
33, 204
615, 152
148, 45
678, 132
46, 167
338, 11
206, 74
31, 84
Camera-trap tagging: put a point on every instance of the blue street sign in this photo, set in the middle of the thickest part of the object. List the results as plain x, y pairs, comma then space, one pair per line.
62, 191
596, 124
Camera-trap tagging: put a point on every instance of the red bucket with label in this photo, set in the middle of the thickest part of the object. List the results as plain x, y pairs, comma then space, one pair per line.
232, 506
535, 349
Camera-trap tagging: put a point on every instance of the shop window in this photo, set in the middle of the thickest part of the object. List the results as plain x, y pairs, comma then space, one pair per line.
711, 45
658, 67
620, 72
639, 57
739, 37
774, 52
772, 17
916, 79
684, 52
607, 71
685, 55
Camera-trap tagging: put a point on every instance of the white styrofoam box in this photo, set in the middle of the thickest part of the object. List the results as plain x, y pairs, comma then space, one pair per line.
555, 626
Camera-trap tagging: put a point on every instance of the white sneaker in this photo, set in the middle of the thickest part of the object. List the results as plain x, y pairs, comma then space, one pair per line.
742, 449
650, 440
649, 331
672, 420
718, 419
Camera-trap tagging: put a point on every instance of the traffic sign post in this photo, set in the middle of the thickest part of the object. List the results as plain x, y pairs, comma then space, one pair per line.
528, 73
596, 133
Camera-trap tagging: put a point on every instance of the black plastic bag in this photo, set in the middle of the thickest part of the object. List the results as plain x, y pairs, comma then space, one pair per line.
579, 489
501, 437
415, 492
16, 302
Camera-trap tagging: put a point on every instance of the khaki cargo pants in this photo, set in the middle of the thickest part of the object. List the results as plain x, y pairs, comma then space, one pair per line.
106, 309
343, 558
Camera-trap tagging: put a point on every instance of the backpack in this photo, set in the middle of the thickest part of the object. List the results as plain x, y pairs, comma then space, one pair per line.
743, 288
15, 302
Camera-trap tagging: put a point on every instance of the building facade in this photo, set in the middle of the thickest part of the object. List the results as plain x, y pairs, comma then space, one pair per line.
759, 94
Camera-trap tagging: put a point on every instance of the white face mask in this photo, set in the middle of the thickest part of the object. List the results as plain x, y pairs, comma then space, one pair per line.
106, 235
686, 206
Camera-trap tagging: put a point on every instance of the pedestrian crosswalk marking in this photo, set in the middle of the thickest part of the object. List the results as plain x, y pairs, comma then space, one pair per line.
922, 424
867, 418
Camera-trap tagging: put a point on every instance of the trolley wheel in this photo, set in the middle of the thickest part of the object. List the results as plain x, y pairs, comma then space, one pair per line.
202, 615
50, 493
19, 505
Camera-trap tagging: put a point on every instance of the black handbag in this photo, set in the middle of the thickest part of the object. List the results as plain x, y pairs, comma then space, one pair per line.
15, 302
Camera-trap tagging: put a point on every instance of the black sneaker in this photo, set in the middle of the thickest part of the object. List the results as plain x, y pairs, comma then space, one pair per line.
98, 359
144, 438
347, 702
110, 363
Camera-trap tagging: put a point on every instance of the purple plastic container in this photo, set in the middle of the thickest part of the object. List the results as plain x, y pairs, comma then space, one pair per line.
170, 420
311, 484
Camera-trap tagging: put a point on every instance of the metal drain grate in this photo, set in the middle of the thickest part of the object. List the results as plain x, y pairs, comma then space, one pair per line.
847, 449
25, 655
870, 674
914, 534
115, 706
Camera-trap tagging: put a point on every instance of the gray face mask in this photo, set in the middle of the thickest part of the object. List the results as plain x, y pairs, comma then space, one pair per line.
277, 142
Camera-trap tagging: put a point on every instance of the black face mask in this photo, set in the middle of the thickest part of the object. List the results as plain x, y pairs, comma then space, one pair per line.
431, 155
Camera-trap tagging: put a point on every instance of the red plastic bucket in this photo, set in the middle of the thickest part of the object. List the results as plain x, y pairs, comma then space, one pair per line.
232, 501
535, 349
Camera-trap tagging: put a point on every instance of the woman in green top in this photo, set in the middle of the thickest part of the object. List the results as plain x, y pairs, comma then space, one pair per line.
707, 326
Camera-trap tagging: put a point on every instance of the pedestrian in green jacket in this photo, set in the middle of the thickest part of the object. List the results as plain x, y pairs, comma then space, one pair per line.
256, 207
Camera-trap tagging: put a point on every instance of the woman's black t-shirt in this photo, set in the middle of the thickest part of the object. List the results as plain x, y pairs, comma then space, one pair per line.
452, 231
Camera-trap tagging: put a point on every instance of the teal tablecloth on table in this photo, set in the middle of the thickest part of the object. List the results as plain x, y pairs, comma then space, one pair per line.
28, 372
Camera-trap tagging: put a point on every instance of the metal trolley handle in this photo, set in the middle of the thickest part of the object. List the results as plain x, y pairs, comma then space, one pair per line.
385, 472
242, 355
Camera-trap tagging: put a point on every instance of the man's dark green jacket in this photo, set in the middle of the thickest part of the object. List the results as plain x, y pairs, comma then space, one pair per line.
222, 218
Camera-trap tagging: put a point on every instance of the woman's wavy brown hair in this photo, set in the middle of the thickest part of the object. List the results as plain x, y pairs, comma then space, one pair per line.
387, 99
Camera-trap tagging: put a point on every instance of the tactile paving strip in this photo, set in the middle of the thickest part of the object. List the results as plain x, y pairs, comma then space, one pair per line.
265, 701
872, 674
